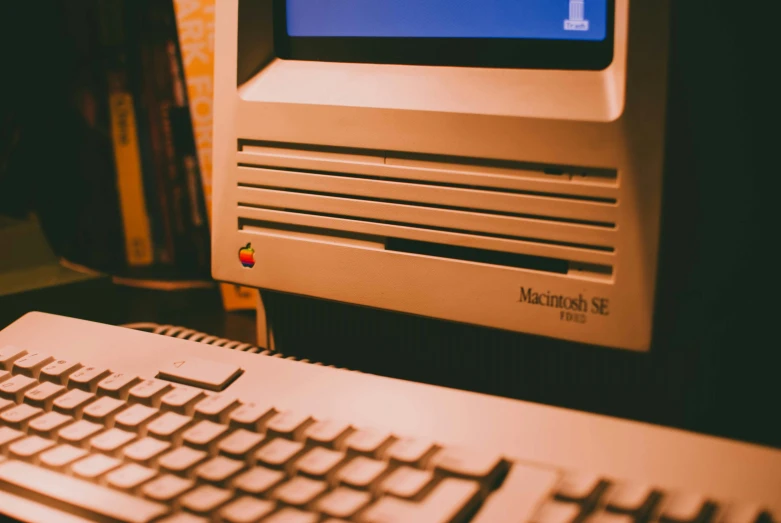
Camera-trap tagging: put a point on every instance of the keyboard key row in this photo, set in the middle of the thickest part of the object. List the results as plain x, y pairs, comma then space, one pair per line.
81, 497
217, 408
589, 497
404, 483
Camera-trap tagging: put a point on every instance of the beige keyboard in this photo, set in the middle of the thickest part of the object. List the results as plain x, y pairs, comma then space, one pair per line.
107, 424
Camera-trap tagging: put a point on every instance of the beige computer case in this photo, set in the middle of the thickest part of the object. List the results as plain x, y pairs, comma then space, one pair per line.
318, 164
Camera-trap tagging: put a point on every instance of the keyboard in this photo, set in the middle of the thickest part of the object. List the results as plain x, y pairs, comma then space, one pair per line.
103, 423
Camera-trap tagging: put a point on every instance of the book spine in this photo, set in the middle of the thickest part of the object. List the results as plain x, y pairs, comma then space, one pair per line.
138, 236
195, 24
139, 249
157, 100
184, 145
156, 205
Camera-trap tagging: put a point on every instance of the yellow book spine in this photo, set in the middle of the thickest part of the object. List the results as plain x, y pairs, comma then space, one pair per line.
135, 220
195, 23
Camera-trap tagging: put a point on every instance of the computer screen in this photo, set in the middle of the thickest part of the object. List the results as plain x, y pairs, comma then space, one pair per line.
565, 34
543, 19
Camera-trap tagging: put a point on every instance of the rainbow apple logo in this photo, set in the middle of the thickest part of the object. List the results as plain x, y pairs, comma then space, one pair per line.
247, 256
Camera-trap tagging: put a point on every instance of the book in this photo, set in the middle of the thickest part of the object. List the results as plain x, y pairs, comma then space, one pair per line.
157, 205
184, 145
158, 98
139, 248
195, 23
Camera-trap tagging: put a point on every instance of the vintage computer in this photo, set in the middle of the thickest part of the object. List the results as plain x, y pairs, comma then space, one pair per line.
489, 163
498, 165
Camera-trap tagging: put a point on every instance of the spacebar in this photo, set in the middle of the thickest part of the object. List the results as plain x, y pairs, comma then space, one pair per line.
74, 495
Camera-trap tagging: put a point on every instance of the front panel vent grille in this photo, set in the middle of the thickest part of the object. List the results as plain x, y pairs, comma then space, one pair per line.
540, 217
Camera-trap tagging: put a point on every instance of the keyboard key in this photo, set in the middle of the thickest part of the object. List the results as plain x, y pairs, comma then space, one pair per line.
558, 512
61, 456
111, 441
94, 466
406, 482
18, 417
246, 510
485, 466
47, 425
299, 491
629, 498
79, 433
411, 451
136, 417
6, 404
205, 499
745, 513
258, 480
59, 371
343, 502
251, 416
181, 460
219, 470
4, 375
685, 508
167, 488
204, 434
361, 472
741, 513
292, 515
14, 388
216, 407
145, 450
31, 364
210, 375
73, 402
391, 509
288, 424
451, 500
579, 487
64, 492
181, 400
328, 433
43, 395
8, 436
239, 444
149, 392
130, 477
611, 517
87, 378
279, 452
117, 385
184, 517
169, 426
9, 354
318, 463
26, 449
103, 410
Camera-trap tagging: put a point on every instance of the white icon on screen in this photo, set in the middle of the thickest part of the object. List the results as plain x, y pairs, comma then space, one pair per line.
577, 16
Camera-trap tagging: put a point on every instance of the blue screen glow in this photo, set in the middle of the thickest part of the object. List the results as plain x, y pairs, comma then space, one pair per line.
537, 19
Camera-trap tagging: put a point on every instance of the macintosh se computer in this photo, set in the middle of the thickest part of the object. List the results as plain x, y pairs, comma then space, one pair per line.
496, 164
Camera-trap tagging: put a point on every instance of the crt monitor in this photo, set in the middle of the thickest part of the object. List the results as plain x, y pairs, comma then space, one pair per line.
495, 163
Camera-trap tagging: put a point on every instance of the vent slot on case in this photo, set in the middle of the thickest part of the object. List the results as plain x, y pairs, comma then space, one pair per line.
437, 250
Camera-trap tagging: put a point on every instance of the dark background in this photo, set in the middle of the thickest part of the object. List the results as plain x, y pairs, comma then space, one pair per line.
714, 365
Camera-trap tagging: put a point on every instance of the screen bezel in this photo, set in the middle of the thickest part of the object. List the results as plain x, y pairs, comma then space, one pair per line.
460, 52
